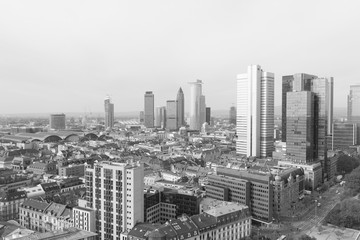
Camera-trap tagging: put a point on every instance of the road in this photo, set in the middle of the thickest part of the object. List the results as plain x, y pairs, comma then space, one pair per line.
313, 218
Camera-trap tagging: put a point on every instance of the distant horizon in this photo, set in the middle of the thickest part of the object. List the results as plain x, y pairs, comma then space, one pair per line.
338, 112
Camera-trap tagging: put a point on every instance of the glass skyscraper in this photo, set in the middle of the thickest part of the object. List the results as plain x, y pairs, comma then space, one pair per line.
255, 113
109, 113
149, 109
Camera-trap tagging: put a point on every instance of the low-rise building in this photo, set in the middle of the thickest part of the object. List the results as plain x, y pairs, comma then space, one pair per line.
40, 168
10, 201
72, 170
45, 217
68, 234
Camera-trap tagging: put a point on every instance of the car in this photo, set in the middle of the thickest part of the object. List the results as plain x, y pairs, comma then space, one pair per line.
319, 204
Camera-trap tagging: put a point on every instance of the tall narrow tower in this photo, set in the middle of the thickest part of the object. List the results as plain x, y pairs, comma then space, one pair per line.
195, 105
255, 112
180, 108
149, 109
109, 113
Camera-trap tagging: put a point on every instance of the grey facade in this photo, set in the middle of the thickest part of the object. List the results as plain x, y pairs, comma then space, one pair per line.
149, 109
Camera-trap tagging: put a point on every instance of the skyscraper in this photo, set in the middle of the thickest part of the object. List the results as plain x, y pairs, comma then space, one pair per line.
255, 112
109, 113
116, 192
149, 109
202, 110
171, 115
322, 88
208, 115
300, 126
232, 115
180, 108
57, 121
158, 117
196, 105
354, 104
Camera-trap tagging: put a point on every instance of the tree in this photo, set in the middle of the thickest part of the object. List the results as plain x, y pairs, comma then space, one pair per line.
345, 163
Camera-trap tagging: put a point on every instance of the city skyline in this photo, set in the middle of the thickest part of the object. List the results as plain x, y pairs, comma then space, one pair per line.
77, 49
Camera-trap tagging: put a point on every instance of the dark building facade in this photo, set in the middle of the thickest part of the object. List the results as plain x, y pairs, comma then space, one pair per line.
208, 115
344, 135
149, 109
180, 108
300, 127
232, 115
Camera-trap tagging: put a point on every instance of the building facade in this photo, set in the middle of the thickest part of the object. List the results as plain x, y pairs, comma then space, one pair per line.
344, 135
353, 110
57, 121
255, 113
252, 189
171, 115
196, 105
149, 109
300, 127
232, 115
180, 99
109, 113
10, 201
72, 170
116, 192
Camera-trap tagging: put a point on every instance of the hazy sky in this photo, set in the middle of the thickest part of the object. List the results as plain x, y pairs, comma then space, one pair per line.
65, 56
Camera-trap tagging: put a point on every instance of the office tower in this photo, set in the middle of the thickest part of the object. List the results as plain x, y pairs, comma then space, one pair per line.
344, 135
141, 117
57, 121
171, 115
208, 115
232, 115
323, 89
255, 112
180, 108
149, 109
354, 104
158, 117
116, 192
202, 110
252, 189
196, 105
109, 113
300, 126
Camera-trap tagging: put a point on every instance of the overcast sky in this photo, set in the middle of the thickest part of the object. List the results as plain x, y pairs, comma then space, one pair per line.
65, 56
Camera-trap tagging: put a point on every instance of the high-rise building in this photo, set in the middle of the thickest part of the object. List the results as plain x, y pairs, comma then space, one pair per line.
158, 117
180, 108
109, 113
255, 112
171, 115
344, 135
197, 105
322, 88
232, 115
202, 110
208, 115
300, 126
141, 117
149, 109
116, 192
57, 121
353, 104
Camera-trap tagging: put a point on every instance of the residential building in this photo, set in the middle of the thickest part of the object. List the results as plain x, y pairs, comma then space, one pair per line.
40, 168
180, 100
196, 105
68, 234
171, 115
44, 217
228, 221
83, 217
109, 113
115, 190
149, 109
9, 204
72, 170
255, 113
57, 121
